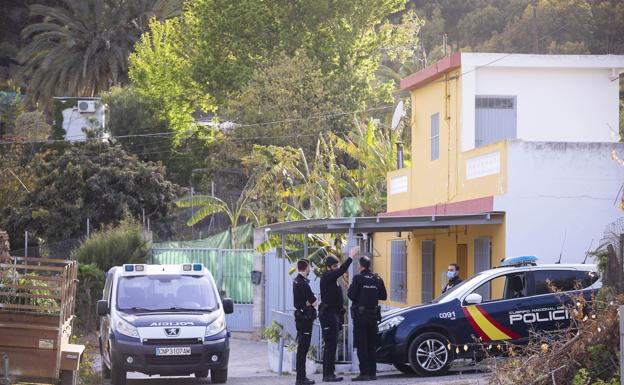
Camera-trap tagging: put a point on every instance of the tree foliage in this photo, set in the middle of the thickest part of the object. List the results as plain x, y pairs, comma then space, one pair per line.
81, 47
219, 45
95, 181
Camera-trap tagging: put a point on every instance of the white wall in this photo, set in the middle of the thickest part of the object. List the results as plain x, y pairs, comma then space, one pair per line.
555, 100
557, 190
74, 121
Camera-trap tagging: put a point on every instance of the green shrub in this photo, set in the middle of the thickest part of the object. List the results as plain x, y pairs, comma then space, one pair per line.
112, 246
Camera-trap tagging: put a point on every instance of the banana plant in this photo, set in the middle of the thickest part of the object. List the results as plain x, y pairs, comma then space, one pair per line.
209, 205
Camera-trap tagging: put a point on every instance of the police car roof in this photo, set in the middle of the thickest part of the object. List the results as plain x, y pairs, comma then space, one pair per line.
554, 266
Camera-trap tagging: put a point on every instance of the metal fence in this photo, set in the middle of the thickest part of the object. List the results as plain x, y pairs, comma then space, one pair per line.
279, 305
231, 269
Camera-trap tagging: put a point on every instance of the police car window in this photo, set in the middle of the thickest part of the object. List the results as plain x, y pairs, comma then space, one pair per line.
549, 281
166, 293
507, 286
451, 292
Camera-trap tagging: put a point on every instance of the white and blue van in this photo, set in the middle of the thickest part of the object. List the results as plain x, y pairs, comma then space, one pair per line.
163, 319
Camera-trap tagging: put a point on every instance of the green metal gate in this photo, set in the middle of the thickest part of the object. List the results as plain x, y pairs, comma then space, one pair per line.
231, 269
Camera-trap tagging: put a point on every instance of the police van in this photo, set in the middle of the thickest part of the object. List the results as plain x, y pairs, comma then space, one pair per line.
163, 319
494, 307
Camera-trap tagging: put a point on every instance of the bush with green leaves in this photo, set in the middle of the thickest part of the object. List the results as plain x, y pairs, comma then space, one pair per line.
112, 246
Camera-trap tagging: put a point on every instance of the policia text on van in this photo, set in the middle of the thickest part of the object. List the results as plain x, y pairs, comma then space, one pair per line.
163, 319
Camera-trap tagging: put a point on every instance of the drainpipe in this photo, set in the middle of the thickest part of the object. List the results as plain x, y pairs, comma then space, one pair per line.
399, 145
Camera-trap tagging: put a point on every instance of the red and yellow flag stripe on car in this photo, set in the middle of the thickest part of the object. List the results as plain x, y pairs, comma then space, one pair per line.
485, 326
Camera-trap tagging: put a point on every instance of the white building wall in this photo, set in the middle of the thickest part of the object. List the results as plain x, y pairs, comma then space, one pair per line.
74, 121
570, 98
557, 191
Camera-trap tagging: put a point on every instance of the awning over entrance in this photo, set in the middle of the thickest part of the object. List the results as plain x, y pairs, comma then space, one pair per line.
361, 225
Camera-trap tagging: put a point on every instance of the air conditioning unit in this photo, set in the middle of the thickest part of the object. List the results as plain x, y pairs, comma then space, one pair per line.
86, 106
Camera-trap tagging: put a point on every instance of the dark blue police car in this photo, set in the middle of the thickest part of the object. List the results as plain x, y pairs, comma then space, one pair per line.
495, 306
163, 319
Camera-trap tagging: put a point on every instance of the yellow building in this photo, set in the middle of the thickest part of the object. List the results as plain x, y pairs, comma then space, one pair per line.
501, 133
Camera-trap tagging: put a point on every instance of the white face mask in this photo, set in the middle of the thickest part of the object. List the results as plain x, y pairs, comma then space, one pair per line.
451, 274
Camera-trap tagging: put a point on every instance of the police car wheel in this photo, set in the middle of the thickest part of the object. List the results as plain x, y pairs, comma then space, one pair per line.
404, 368
218, 376
428, 354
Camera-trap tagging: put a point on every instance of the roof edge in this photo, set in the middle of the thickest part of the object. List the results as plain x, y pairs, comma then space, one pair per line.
435, 70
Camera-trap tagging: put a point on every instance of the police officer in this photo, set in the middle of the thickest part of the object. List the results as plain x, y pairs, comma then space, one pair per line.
452, 275
365, 291
331, 311
305, 313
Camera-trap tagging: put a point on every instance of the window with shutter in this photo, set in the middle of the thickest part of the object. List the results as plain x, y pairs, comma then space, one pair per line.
428, 253
482, 261
495, 119
435, 136
398, 271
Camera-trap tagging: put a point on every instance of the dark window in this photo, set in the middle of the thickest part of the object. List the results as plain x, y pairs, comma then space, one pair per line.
547, 281
508, 286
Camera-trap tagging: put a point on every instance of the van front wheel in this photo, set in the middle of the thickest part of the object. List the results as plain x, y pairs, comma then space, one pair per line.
118, 375
218, 376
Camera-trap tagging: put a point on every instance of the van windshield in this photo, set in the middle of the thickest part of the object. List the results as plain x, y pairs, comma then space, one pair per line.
162, 292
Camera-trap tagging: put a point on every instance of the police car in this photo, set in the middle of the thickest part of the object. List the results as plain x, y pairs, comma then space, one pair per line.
163, 319
495, 306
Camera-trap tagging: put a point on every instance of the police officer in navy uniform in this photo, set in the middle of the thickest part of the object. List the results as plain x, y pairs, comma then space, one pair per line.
305, 313
331, 311
453, 277
365, 292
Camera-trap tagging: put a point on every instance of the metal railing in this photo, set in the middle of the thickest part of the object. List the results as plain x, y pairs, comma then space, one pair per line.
287, 320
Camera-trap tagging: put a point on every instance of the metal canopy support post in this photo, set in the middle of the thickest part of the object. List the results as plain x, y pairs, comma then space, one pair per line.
351, 243
621, 344
283, 277
305, 246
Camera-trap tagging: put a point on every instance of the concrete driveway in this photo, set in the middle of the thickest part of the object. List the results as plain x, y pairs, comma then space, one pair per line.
249, 366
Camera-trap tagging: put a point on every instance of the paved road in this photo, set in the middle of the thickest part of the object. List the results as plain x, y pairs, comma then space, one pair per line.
249, 366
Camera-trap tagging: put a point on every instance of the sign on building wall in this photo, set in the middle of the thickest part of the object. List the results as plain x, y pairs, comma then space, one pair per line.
483, 165
398, 185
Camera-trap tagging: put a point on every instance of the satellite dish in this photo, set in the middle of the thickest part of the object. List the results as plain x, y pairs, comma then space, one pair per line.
398, 114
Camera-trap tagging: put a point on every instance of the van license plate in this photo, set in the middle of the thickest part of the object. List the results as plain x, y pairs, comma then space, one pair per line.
186, 351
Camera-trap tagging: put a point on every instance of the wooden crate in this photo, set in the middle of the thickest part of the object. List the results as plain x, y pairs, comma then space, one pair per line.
37, 300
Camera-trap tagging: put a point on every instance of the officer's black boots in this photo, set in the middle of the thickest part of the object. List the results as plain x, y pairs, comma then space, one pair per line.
362, 377
305, 381
332, 378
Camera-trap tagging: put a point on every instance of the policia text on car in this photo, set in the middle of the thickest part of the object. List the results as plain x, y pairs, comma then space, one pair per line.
331, 311
305, 314
365, 292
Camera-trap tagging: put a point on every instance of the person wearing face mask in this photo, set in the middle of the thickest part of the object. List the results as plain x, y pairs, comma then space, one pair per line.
452, 274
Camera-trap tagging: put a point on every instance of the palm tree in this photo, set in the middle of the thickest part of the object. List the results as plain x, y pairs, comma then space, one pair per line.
81, 48
212, 205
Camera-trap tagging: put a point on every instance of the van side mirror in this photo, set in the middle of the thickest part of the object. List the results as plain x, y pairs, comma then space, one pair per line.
102, 308
228, 306
473, 299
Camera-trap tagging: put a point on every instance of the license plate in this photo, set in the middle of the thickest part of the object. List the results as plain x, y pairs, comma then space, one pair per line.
185, 351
